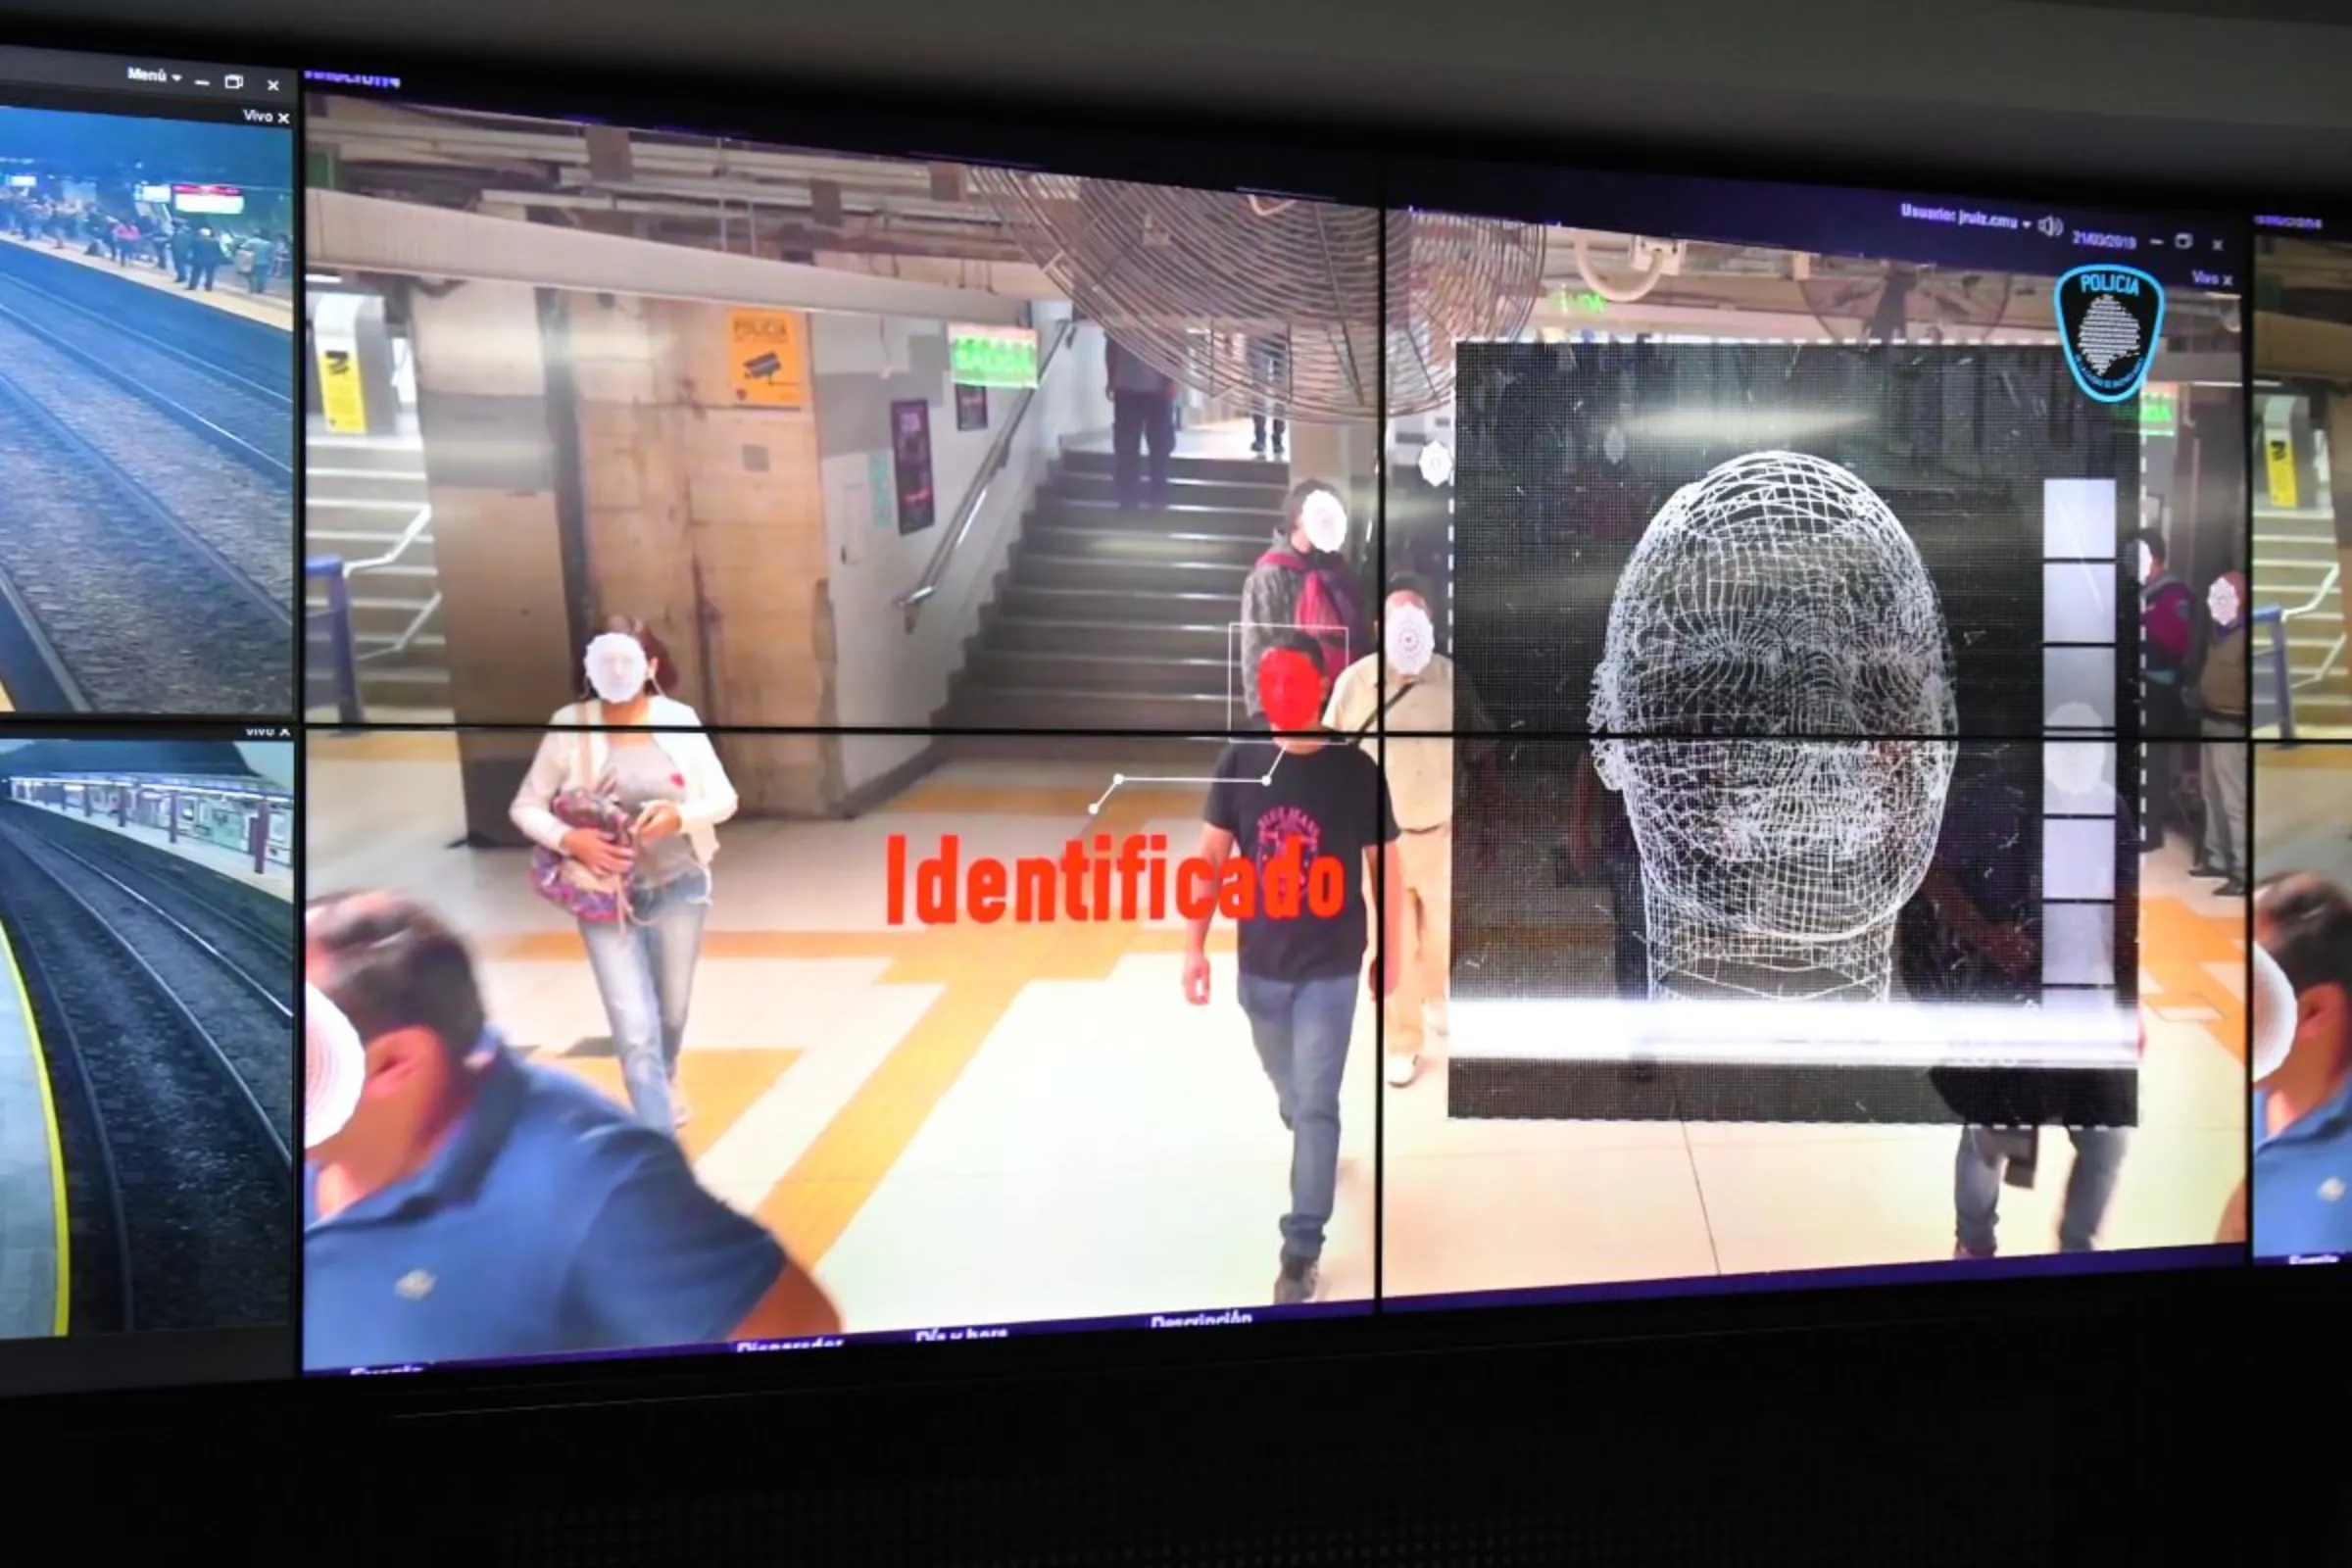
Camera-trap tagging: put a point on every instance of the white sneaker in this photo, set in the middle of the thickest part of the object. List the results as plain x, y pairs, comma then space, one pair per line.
1402, 1069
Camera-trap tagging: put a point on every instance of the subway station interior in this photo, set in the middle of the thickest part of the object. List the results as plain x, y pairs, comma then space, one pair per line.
1826, 525
545, 421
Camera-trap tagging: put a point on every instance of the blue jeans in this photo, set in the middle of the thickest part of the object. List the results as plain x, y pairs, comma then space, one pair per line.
644, 968
1976, 1188
1300, 1029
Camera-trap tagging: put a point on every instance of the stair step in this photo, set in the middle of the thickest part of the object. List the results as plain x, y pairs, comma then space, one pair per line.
1141, 576
1114, 603
362, 490
1098, 462
1138, 674
1169, 755
1142, 544
1180, 492
1124, 635
405, 677
1240, 522
998, 708
381, 620
365, 452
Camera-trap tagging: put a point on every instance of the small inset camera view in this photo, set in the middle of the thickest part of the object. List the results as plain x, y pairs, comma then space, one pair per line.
146, 416
146, 1035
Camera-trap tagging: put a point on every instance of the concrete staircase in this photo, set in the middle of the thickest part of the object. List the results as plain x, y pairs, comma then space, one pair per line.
2294, 552
1104, 620
362, 494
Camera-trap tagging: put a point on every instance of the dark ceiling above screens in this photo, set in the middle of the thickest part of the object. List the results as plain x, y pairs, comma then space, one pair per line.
2150, 92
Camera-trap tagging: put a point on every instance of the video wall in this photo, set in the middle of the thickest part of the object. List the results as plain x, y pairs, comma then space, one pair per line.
900, 737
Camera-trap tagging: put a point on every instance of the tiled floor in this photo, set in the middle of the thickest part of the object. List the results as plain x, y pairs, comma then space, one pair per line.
229, 293
277, 880
1500, 1206
966, 1124
2303, 809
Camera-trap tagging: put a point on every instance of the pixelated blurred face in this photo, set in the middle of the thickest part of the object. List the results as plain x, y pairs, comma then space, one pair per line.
2222, 603
1407, 637
1780, 638
617, 667
1290, 687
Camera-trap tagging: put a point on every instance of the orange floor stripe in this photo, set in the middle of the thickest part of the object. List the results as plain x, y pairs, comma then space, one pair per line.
982, 972
2322, 756
719, 1085
2175, 942
385, 746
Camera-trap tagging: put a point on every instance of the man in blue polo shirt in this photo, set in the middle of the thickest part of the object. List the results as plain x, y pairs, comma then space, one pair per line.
2303, 1105
474, 1206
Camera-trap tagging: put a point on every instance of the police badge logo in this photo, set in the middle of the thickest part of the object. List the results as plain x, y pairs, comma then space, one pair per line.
2110, 322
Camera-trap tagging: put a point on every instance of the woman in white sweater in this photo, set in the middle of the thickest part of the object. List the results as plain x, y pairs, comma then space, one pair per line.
648, 755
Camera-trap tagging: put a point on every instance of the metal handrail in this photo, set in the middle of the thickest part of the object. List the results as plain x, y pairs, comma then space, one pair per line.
400, 547
344, 661
2335, 651
408, 634
2283, 691
2327, 586
999, 453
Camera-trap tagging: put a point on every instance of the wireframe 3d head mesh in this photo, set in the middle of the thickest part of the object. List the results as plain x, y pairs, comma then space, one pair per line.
1775, 705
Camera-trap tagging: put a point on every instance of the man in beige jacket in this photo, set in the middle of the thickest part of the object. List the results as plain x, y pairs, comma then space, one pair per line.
1414, 696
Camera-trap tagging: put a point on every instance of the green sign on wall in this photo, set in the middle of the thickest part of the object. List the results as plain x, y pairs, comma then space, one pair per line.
2159, 411
993, 356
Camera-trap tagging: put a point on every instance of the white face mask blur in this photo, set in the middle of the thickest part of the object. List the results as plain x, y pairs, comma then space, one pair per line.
1408, 639
2148, 563
617, 667
334, 1064
1324, 517
2274, 1013
2222, 602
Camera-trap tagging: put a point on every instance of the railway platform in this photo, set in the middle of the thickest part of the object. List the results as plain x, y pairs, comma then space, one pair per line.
227, 295
277, 881
32, 1193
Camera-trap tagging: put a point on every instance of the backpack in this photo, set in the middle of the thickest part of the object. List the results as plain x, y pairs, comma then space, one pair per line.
1320, 612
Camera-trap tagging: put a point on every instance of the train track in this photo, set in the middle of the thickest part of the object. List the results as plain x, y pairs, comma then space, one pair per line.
128, 607
249, 421
180, 1176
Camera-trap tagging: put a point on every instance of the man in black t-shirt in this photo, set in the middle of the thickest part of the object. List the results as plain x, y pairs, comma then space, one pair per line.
1306, 812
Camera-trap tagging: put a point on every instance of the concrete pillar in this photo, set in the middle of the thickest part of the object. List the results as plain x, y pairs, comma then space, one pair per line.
491, 467
172, 816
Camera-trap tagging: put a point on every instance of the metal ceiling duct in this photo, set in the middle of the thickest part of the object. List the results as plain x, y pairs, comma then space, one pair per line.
1199, 284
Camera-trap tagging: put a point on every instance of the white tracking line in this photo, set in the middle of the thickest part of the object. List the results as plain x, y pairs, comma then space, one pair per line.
1120, 780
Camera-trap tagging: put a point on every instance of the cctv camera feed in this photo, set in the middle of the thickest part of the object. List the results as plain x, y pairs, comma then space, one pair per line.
2302, 742
146, 1057
1098, 619
975, 490
871, 441
146, 388
1839, 599
992, 1052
